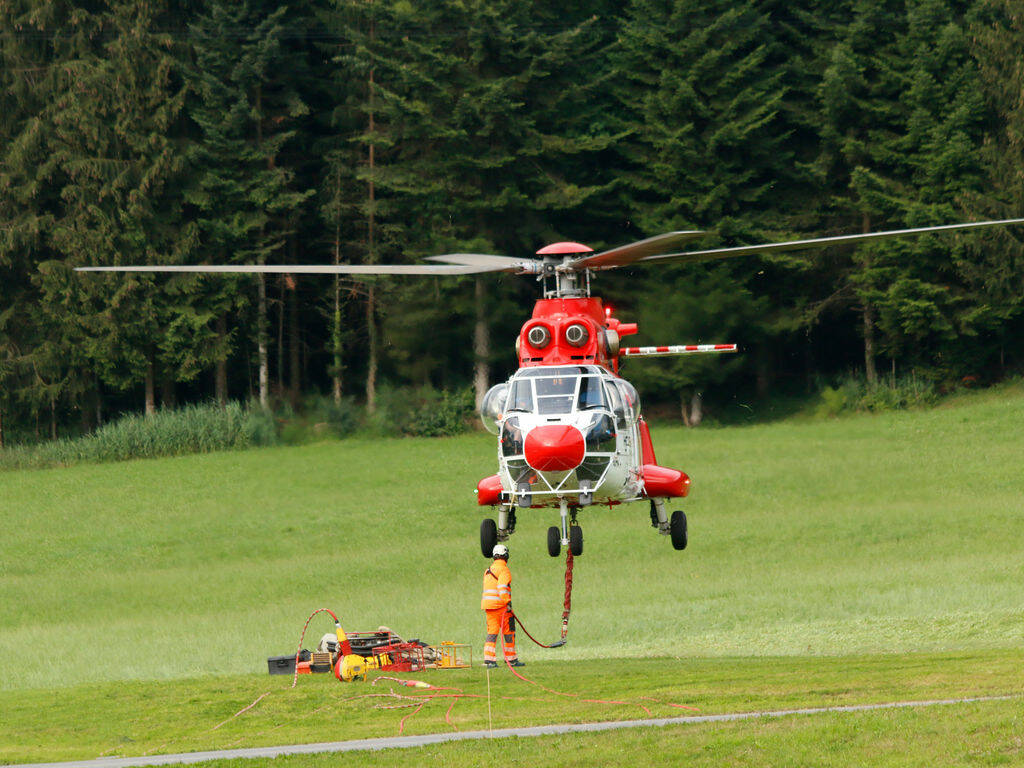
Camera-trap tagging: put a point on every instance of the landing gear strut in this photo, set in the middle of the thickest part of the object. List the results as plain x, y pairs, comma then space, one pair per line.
675, 528
506, 522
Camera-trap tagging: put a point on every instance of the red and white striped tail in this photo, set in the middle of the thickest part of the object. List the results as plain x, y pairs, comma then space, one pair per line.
677, 349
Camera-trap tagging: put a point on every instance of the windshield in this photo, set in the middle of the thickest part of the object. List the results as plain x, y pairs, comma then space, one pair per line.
555, 394
561, 391
521, 396
591, 394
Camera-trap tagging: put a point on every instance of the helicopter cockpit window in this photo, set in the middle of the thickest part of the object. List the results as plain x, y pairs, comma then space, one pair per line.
615, 402
630, 398
591, 394
555, 395
568, 370
600, 435
521, 396
511, 437
492, 405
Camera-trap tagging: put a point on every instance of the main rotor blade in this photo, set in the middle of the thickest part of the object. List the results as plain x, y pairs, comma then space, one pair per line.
507, 263
627, 254
798, 245
312, 269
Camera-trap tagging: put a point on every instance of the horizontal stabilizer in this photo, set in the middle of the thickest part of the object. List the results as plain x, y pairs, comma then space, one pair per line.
678, 349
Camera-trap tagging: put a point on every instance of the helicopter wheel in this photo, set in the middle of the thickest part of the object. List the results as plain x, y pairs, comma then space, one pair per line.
554, 541
677, 529
488, 537
575, 540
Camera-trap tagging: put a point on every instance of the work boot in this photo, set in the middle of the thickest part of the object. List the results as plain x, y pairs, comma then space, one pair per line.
490, 664
516, 663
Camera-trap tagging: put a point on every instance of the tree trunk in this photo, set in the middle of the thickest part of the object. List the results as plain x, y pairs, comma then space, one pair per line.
693, 415
53, 419
99, 403
869, 343
1, 429
150, 390
294, 348
168, 394
481, 346
280, 338
336, 346
220, 383
763, 381
371, 365
371, 252
696, 409
262, 323
869, 325
261, 343
336, 340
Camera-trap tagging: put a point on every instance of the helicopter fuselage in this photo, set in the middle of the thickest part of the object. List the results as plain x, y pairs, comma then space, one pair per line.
569, 428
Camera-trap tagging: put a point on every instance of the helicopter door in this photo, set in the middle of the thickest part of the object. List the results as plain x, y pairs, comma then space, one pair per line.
623, 401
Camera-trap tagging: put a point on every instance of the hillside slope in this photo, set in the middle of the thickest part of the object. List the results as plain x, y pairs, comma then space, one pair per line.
872, 534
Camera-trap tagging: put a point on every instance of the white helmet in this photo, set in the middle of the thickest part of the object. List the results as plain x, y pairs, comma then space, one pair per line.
500, 550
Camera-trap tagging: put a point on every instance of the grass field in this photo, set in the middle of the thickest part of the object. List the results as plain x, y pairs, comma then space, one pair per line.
891, 540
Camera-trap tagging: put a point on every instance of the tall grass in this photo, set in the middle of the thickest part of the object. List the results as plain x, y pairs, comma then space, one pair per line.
192, 429
887, 394
422, 412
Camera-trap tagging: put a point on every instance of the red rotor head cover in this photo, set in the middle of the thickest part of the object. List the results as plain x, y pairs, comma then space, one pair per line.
554, 447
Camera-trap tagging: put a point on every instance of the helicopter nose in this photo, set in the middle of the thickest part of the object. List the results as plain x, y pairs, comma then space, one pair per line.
554, 447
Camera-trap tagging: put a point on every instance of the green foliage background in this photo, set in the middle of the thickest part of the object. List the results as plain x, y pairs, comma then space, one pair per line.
226, 131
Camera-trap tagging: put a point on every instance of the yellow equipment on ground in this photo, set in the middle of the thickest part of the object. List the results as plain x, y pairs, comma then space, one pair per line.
352, 667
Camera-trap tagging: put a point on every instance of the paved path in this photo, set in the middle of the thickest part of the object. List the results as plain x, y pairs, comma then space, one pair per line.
397, 742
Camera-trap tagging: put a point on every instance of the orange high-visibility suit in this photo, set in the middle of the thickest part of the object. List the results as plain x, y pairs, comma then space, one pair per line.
497, 596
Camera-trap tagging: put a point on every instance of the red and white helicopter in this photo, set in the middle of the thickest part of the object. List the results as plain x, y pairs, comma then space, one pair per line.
570, 430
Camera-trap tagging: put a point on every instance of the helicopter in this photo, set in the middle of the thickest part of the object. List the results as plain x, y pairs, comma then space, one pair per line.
570, 432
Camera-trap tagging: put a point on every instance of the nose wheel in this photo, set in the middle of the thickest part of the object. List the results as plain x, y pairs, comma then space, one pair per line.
554, 541
575, 541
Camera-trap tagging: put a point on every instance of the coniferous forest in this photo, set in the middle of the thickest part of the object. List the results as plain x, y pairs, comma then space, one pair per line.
384, 131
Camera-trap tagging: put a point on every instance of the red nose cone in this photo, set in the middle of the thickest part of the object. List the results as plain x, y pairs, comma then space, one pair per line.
554, 448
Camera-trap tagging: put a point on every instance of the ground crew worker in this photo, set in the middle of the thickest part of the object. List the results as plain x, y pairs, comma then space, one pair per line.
497, 606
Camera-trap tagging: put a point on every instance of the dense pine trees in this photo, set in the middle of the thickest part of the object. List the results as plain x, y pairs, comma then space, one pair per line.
382, 131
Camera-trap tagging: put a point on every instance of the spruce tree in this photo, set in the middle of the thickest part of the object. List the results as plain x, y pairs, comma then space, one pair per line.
993, 268
247, 109
119, 164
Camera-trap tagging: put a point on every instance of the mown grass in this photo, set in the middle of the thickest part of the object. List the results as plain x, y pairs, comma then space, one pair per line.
895, 533
984, 734
135, 718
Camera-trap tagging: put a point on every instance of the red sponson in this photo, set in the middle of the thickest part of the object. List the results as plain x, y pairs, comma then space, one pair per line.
662, 481
554, 447
488, 491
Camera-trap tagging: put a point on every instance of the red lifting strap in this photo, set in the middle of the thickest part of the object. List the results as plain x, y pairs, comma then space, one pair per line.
567, 605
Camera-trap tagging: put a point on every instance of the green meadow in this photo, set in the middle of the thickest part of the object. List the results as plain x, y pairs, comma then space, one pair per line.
881, 555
